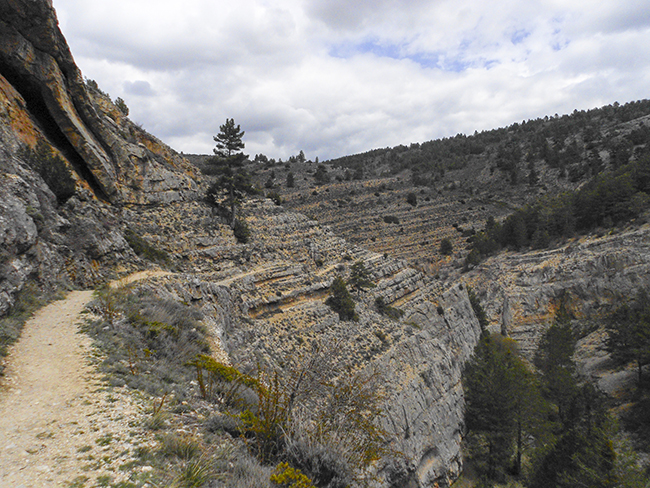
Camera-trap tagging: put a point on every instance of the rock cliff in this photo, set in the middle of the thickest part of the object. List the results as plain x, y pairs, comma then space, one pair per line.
592, 275
265, 302
68, 156
120, 162
262, 301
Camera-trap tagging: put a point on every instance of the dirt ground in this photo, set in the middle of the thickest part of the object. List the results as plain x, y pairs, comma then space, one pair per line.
60, 425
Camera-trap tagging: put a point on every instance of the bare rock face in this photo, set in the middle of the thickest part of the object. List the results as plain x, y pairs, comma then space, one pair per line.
86, 129
522, 291
265, 301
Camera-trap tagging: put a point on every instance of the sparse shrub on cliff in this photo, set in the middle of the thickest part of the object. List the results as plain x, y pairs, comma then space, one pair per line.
144, 249
52, 169
121, 105
412, 199
315, 414
340, 300
391, 219
446, 247
478, 309
241, 231
384, 309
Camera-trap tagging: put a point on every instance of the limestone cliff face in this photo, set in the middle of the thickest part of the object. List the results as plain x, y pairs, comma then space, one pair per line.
118, 161
265, 301
522, 291
48, 115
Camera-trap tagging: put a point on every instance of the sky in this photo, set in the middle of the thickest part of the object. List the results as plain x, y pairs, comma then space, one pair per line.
339, 77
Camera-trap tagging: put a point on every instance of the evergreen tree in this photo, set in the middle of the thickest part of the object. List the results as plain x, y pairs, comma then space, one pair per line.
229, 139
235, 182
502, 404
360, 277
629, 333
340, 301
554, 359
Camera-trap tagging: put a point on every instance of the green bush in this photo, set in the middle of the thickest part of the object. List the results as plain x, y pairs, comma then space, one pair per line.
340, 301
288, 477
388, 311
241, 231
275, 197
145, 250
446, 247
412, 199
391, 219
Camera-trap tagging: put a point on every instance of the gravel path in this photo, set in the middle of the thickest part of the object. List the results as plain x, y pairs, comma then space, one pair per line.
59, 424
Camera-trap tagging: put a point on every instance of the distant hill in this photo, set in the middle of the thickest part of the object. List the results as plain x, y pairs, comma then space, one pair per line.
457, 182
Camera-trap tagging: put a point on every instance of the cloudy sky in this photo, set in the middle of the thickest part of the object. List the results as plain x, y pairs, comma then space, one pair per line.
337, 77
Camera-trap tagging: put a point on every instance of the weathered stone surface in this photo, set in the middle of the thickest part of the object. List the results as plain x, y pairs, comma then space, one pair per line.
522, 291
82, 124
264, 301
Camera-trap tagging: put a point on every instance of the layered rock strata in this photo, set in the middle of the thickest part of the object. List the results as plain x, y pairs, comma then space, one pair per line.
265, 301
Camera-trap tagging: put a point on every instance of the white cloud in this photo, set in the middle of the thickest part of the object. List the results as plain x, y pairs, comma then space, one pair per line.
334, 77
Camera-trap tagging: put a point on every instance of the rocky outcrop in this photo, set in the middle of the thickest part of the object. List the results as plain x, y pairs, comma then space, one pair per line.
265, 301
117, 160
591, 276
55, 128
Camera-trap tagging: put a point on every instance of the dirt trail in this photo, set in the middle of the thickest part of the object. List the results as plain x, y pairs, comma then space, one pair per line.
59, 425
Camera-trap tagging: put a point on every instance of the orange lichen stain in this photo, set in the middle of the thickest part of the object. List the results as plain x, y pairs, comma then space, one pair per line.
14, 108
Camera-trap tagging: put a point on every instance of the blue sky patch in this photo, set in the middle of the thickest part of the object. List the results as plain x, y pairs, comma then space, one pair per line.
431, 60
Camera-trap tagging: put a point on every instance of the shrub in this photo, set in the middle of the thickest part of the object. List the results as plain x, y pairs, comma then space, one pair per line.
220, 382
52, 169
121, 105
412, 199
388, 311
145, 250
148, 342
446, 247
286, 476
391, 219
241, 231
180, 446
340, 301
275, 197
194, 474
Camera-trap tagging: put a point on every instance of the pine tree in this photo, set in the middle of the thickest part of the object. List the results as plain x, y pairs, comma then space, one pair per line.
554, 359
229, 139
234, 183
503, 404
340, 301
629, 333
360, 277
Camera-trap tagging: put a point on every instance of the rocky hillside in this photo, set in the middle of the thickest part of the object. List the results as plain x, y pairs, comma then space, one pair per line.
457, 183
68, 156
85, 194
